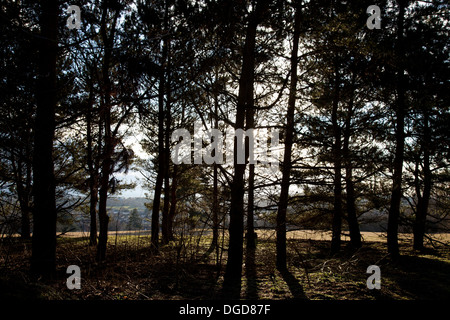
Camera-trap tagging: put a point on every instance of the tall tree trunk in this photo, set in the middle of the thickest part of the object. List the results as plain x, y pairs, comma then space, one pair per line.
250, 125
337, 158
251, 234
215, 205
43, 259
215, 239
396, 194
161, 149
155, 211
232, 277
165, 232
165, 225
93, 201
93, 175
287, 161
424, 199
157, 203
103, 217
109, 141
173, 203
355, 234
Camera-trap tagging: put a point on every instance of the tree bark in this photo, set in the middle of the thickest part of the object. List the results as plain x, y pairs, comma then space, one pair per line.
396, 194
93, 175
109, 140
161, 149
355, 234
288, 143
215, 205
424, 199
251, 234
43, 259
173, 203
250, 125
24, 201
165, 224
165, 232
337, 159
155, 210
232, 277
215, 240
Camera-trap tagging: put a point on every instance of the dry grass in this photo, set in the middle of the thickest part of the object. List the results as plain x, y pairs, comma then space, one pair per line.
367, 236
320, 235
181, 271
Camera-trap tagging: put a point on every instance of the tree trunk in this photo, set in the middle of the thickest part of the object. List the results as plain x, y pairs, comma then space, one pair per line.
250, 125
155, 209
25, 231
165, 232
93, 175
103, 217
232, 277
215, 239
24, 201
337, 158
287, 161
165, 214
355, 234
251, 234
173, 203
43, 259
424, 199
215, 205
396, 194
161, 149
109, 141
93, 201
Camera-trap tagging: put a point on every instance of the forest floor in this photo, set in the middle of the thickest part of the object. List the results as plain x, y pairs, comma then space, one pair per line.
182, 271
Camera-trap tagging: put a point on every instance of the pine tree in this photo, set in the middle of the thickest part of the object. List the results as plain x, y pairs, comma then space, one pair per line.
134, 220
43, 260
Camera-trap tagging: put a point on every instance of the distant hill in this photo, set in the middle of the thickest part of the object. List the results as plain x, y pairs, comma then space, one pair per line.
119, 210
127, 203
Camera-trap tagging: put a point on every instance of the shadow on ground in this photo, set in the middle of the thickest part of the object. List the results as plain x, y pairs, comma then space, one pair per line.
132, 273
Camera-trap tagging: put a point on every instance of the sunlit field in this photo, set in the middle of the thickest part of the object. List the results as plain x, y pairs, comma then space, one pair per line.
367, 236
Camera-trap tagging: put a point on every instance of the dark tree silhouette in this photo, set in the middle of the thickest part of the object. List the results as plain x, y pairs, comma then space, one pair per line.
43, 258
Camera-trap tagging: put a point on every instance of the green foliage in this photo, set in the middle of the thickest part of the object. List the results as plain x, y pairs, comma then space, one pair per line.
134, 220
